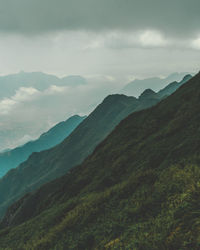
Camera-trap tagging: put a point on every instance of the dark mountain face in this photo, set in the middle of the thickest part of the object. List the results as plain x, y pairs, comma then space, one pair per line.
12, 158
138, 190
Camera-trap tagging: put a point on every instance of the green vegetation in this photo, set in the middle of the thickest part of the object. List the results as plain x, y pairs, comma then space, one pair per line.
147, 211
140, 189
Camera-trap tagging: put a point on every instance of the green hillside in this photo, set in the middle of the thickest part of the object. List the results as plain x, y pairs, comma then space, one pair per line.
139, 189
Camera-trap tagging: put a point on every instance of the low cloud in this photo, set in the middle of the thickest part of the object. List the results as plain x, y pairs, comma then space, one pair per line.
55, 90
6, 106
146, 39
152, 39
22, 95
106, 41
30, 112
196, 43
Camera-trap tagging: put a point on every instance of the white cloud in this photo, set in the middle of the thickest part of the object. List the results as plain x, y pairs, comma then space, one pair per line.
152, 38
6, 105
196, 43
53, 89
22, 95
25, 94
128, 39
32, 112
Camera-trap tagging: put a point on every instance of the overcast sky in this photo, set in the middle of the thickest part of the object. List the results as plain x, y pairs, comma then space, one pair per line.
120, 38
109, 42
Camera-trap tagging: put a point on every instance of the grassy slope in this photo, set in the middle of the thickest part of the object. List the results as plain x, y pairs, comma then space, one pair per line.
138, 190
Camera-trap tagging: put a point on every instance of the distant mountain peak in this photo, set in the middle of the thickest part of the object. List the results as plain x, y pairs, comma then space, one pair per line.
148, 93
136, 87
187, 77
115, 97
74, 80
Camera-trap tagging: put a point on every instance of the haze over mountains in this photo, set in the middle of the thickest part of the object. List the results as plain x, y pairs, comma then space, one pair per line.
136, 87
139, 189
39, 95
26, 95
18, 92
47, 165
12, 158
11, 83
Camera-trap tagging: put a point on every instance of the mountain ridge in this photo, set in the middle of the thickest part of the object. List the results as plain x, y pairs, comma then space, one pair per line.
12, 158
137, 190
47, 165
39, 80
136, 87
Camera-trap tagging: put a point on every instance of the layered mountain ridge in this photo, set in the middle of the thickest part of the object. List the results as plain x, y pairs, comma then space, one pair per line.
136, 87
139, 189
12, 158
41, 81
50, 164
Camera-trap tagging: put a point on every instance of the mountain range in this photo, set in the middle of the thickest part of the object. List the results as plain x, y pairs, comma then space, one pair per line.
136, 87
139, 189
39, 80
27, 94
12, 158
47, 165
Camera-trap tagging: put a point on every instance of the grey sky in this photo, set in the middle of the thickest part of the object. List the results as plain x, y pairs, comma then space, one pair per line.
178, 17
108, 42
121, 38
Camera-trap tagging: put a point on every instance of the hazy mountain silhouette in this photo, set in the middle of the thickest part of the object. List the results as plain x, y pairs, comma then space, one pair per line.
172, 87
12, 158
41, 81
136, 87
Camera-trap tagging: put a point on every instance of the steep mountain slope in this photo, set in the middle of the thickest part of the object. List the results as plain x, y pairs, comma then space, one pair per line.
54, 136
149, 97
136, 87
45, 166
172, 87
138, 190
